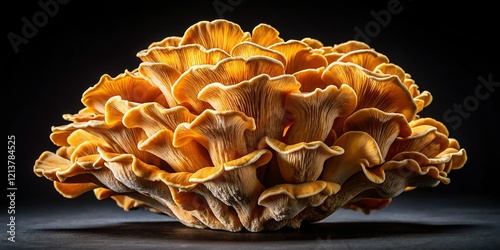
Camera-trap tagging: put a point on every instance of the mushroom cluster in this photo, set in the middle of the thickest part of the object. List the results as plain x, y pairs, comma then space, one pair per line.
232, 130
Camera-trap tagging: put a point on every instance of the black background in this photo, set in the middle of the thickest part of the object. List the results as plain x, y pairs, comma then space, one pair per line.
445, 48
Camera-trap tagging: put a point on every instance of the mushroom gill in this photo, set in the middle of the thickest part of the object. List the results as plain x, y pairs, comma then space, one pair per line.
228, 71
301, 162
231, 130
254, 98
222, 133
329, 103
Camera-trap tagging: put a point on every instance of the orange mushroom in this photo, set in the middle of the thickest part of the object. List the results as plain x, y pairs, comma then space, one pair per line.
231, 130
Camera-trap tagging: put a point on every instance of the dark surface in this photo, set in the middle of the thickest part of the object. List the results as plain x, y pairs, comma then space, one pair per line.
419, 219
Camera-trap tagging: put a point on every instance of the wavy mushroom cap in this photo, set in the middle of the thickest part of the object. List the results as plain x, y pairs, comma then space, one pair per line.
232, 130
